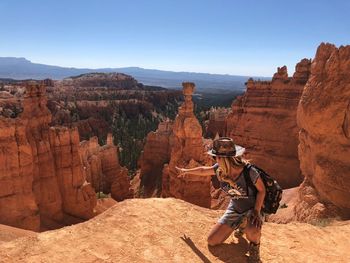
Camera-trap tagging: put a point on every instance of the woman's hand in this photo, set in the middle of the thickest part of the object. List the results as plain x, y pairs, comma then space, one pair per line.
181, 172
255, 219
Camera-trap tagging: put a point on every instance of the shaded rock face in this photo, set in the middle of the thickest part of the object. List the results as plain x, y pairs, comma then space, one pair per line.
156, 153
41, 177
216, 125
264, 121
187, 150
102, 168
324, 149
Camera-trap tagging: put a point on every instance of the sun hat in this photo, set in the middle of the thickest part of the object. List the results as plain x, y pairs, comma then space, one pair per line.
225, 147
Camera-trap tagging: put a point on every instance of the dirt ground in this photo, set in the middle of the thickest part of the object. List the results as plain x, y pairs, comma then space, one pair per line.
170, 230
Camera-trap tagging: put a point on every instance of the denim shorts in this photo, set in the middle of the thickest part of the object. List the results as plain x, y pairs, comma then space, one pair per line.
234, 219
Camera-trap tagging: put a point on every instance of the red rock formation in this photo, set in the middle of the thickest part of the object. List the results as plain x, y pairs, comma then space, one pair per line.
78, 197
155, 154
264, 121
103, 170
324, 149
216, 125
187, 151
40, 180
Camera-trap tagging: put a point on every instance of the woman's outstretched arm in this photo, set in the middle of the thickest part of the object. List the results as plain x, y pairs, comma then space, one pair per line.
200, 170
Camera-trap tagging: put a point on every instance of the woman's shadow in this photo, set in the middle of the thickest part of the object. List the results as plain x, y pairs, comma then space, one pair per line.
231, 252
226, 252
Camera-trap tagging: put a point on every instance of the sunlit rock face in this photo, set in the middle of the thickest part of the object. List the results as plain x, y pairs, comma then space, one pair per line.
187, 150
263, 120
324, 148
41, 177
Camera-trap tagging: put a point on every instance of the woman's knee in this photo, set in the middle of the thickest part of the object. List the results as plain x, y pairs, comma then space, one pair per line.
212, 241
219, 234
253, 233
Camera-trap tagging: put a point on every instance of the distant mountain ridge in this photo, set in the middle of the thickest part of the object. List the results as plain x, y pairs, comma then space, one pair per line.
21, 68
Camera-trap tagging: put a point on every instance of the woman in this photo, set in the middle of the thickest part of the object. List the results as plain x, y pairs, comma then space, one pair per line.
245, 208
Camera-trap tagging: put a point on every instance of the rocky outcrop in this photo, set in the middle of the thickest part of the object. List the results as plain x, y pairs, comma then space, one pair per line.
324, 148
216, 125
41, 180
110, 80
264, 121
155, 154
102, 168
187, 150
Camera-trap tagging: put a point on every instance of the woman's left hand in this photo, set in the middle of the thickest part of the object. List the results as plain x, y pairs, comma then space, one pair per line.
255, 219
180, 171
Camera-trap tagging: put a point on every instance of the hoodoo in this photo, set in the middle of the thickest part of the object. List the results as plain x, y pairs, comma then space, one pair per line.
187, 150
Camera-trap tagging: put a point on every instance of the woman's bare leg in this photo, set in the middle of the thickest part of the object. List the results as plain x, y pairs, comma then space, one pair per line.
218, 234
253, 233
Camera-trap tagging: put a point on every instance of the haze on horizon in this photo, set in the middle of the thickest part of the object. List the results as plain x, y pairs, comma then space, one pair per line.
225, 37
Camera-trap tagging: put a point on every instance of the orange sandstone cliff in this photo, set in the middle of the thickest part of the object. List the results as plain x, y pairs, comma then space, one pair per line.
324, 148
41, 176
264, 121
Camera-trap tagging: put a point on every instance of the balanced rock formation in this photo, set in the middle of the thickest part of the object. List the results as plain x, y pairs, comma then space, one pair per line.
324, 149
41, 177
171, 230
155, 154
264, 121
103, 170
187, 150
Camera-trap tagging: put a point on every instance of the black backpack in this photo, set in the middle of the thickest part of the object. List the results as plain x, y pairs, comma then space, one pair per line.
273, 189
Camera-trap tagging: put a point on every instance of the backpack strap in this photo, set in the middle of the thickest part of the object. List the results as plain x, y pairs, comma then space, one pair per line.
248, 180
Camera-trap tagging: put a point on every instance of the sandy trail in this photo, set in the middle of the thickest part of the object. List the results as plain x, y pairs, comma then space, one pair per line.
170, 230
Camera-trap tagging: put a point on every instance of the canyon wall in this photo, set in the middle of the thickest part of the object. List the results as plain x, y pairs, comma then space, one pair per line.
324, 149
41, 177
263, 120
102, 168
155, 154
187, 150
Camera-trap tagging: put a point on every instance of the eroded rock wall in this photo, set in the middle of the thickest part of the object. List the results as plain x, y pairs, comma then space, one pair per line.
264, 121
103, 170
40, 180
216, 125
324, 149
155, 154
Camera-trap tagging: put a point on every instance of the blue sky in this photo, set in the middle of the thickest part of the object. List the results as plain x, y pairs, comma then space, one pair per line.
247, 37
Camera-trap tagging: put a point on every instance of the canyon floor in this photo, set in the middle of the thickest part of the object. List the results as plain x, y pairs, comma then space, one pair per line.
170, 230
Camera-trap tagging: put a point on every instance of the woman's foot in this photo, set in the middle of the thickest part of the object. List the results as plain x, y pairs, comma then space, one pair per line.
254, 253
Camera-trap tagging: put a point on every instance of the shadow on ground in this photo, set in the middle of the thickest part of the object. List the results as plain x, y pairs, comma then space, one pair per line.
227, 252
